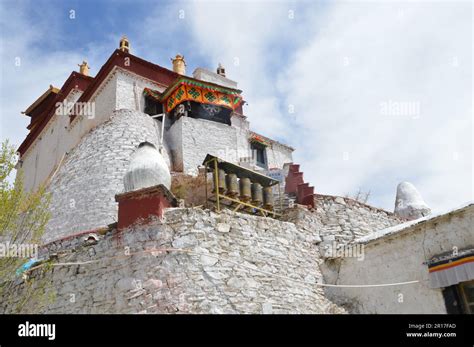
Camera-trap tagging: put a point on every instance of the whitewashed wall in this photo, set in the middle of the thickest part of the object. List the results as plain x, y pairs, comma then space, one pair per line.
84, 187
278, 155
242, 127
120, 90
130, 88
201, 137
42, 157
400, 258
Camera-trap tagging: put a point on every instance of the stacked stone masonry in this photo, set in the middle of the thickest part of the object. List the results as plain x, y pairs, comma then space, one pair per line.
341, 220
194, 261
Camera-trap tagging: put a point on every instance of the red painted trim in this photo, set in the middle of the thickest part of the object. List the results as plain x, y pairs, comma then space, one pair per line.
89, 85
75, 80
134, 64
40, 110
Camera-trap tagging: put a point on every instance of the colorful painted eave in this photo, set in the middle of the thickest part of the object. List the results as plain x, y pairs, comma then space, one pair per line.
189, 89
200, 84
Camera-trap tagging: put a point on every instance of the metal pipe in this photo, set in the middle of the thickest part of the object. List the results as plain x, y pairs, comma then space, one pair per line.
162, 131
205, 184
216, 184
280, 198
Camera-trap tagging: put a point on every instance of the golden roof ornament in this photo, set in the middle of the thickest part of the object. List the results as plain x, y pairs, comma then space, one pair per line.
84, 68
179, 65
124, 44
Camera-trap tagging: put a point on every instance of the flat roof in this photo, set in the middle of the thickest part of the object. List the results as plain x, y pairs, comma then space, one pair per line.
396, 229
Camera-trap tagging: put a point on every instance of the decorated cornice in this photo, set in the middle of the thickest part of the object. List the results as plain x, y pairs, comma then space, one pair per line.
187, 89
254, 138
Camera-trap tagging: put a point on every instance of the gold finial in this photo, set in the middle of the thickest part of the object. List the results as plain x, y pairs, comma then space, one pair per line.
179, 65
84, 68
124, 44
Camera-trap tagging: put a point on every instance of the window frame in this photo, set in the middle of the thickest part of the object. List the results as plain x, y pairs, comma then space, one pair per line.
258, 147
468, 307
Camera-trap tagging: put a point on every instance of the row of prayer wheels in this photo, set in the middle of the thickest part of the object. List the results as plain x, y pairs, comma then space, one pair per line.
244, 189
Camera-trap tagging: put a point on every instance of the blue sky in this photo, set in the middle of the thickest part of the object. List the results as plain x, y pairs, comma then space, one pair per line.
324, 77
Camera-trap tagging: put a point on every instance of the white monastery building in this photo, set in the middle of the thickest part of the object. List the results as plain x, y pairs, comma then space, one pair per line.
108, 148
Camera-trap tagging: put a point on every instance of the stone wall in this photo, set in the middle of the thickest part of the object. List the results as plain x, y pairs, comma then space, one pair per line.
194, 261
84, 187
398, 255
341, 220
201, 137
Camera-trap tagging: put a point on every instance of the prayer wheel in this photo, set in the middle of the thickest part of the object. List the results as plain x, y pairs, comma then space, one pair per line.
232, 185
220, 180
268, 200
245, 193
257, 197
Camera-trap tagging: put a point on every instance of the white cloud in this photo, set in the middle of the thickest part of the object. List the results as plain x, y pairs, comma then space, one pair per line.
335, 63
352, 60
242, 36
27, 41
372, 54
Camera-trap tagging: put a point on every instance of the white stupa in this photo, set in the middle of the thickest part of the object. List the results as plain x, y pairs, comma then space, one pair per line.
147, 168
409, 204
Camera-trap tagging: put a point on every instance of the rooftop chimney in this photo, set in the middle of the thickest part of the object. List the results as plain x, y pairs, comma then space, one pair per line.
221, 70
179, 65
84, 68
124, 44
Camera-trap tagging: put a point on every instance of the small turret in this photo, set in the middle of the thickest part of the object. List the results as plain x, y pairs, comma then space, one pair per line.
179, 65
221, 70
84, 68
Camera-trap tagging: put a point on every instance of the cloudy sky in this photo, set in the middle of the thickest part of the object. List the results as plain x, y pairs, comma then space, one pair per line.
370, 94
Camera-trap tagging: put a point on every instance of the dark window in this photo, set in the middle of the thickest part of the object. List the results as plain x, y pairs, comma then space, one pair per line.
451, 300
466, 291
259, 153
210, 112
152, 106
459, 298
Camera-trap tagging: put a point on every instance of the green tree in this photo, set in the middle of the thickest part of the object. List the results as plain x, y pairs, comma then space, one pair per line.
23, 215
